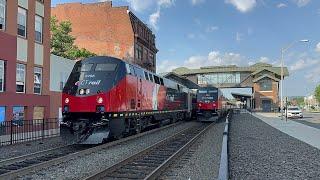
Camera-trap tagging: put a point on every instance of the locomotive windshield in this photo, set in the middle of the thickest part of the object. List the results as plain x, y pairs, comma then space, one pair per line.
207, 95
92, 76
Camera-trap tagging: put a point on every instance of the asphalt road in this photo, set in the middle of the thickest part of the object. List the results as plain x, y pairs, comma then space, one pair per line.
310, 119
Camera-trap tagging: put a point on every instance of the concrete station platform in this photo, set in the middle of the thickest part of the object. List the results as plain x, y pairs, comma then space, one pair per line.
302, 131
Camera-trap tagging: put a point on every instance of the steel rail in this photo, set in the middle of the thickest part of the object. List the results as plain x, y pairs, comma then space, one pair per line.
151, 151
23, 171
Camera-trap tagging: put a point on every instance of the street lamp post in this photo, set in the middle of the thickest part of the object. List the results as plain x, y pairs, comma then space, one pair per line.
283, 50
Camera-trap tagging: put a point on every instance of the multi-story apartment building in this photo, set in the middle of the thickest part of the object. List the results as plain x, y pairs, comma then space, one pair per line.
24, 59
113, 31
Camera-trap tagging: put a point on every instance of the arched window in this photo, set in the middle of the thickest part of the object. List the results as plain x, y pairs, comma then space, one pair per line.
265, 85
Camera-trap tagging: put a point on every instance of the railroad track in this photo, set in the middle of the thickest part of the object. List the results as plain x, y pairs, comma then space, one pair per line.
22, 165
151, 162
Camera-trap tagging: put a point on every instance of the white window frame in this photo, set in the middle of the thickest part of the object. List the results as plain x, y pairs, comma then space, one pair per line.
23, 12
24, 77
3, 3
2, 75
38, 19
37, 70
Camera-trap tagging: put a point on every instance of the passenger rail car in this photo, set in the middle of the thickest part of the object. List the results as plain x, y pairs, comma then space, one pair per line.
211, 103
106, 97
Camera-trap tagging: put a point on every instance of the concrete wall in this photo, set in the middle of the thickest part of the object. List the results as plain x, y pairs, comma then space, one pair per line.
60, 69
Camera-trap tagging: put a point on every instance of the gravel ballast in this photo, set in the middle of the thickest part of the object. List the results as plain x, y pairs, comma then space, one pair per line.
82, 167
259, 151
202, 160
28, 147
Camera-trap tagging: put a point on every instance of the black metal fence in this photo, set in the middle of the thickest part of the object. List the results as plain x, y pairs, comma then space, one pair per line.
16, 131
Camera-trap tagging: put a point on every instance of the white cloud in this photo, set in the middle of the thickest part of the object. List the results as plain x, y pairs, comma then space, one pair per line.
313, 75
154, 17
196, 2
301, 3
302, 64
166, 66
214, 58
264, 59
282, 5
140, 5
211, 29
318, 47
242, 5
238, 37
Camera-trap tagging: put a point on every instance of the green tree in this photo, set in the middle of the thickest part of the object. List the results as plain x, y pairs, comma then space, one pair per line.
62, 42
317, 93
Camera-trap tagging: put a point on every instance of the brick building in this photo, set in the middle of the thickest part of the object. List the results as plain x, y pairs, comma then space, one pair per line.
24, 59
107, 30
261, 77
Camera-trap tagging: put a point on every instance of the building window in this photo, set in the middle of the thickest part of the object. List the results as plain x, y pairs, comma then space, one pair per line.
38, 28
2, 114
22, 22
18, 115
37, 80
265, 85
38, 114
2, 73
152, 58
21, 78
139, 52
219, 78
2, 14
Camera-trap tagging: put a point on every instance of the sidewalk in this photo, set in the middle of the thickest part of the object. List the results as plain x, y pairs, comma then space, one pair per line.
299, 131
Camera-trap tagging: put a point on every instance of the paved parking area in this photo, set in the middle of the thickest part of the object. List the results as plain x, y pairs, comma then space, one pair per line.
310, 119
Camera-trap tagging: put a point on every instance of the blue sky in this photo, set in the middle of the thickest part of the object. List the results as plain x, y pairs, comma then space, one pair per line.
196, 33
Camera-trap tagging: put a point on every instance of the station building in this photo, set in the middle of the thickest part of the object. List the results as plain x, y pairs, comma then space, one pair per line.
263, 78
24, 59
111, 31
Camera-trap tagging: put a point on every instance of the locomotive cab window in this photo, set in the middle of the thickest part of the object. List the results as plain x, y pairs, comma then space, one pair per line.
202, 91
146, 76
156, 79
161, 81
84, 67
106, 67
151, 78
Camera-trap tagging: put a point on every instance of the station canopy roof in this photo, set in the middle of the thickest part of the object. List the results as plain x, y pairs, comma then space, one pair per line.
254, 69
241, 96
176, 77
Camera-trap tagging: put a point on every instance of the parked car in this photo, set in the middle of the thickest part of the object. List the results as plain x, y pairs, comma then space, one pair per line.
294, 112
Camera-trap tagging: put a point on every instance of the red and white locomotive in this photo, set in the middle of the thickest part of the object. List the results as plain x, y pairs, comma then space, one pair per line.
210, 103
107, 97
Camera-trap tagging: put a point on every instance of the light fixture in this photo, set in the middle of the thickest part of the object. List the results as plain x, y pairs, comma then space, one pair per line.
67, 100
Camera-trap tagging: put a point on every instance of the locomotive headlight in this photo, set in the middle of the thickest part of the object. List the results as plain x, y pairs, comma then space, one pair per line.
87, 91
100, 100
67, 100
81, 92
